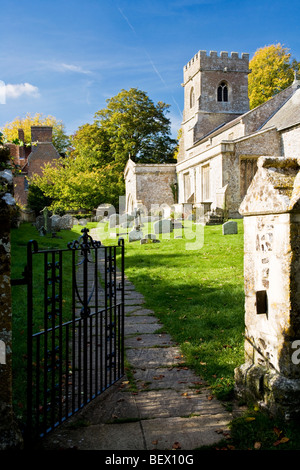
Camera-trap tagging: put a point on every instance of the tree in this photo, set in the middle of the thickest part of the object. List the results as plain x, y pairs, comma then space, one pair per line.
272, 70
92, 174
60, 140
136, 127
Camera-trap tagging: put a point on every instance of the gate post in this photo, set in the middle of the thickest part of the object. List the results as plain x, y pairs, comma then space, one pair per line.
270, 376
10, 437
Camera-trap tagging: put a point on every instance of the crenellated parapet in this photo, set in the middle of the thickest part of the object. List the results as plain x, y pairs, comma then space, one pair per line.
203, 61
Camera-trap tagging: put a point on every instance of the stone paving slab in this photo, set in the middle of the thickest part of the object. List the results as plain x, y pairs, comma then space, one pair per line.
162, 377
148, 340
133, 328
154, 357
167, 403
183, 433
128, 436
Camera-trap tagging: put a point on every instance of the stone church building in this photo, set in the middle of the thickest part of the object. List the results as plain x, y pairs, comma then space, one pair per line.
221, 140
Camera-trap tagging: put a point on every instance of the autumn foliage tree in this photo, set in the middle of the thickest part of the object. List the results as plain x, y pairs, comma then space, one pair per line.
60, 140
272, 70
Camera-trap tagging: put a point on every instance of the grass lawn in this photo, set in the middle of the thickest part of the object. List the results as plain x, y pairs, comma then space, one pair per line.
195, 287
196, 290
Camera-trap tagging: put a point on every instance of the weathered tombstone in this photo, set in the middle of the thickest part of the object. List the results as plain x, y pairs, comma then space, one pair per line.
270, 375
163, 226
47, 220
82, 222
135, 234
55, 222
152, 236
10, 436
126, 218
177, 224
230, 228
103, 211
113, 220
39, 222
66, 222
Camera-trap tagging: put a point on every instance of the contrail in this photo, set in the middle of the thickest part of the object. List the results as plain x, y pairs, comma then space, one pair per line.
149, 58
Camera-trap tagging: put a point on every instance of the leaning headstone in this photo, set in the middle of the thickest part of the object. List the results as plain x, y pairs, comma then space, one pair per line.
230, 228
113, 220
135, 234
163, 226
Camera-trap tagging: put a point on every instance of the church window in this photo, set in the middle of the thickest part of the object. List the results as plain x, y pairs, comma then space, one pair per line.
223, 92
192, 97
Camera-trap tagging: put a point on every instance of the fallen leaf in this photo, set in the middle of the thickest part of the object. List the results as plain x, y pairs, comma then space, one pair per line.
281, 441
277, 431
210, 397
257, 445
250, 418
155, 442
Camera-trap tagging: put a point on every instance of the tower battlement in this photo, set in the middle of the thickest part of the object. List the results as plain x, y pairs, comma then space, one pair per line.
227, 62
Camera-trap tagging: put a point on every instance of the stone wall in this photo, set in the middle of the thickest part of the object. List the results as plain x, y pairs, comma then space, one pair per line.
290, 141
271, 211
149, 184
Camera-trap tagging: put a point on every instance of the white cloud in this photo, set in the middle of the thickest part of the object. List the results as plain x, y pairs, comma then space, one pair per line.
19, 89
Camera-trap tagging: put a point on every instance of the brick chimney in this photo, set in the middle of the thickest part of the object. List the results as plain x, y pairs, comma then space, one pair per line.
41, 134
22, 139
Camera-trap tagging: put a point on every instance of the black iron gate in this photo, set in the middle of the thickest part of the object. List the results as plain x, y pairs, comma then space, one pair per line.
74, 331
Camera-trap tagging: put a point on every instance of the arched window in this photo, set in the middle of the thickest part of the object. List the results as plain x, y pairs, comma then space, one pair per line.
192, 97
223, 92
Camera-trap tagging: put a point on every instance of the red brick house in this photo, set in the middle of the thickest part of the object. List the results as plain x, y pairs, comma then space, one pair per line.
31, 159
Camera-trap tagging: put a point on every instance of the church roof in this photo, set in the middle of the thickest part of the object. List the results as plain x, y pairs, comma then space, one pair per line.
288, 114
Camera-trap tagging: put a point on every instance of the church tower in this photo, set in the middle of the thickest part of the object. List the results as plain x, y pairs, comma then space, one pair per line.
215, 92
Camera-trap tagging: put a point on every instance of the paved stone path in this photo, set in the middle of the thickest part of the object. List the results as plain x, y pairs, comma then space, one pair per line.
172, 408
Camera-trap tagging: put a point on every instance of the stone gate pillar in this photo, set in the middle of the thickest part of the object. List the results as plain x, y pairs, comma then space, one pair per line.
270, 375
10, 437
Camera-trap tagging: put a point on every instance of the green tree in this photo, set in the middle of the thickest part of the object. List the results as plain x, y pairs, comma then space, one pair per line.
272, 70
130, 125
136, 127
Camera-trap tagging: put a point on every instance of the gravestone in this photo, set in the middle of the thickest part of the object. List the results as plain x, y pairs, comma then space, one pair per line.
55, 222
66, 222
47, 220
113, 220
230, 228
135, 234
163, 226
270, 376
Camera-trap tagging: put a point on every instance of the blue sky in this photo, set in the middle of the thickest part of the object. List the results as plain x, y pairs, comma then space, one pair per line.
66, 58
